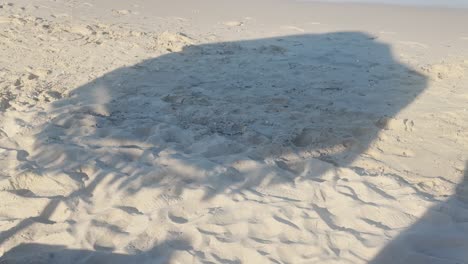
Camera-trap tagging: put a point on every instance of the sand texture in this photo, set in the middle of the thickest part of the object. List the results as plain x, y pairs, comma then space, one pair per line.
222, 132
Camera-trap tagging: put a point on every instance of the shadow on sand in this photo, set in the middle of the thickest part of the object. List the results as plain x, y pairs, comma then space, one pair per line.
422, 243
325, 96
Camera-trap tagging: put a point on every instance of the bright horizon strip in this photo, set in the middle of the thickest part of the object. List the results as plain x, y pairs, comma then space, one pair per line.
434, 3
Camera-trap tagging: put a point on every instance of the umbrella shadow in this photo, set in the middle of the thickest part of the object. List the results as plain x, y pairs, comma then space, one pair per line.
326, 96
224, 117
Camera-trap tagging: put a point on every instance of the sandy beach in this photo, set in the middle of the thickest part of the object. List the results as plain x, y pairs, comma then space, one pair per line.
233, 132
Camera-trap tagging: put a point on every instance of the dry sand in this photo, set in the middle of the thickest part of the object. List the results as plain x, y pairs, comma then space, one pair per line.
232, 132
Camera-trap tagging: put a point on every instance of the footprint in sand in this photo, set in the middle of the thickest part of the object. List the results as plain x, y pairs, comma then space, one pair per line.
233, 23
122, 12
294, 28
387, 32
178, 216
413, 44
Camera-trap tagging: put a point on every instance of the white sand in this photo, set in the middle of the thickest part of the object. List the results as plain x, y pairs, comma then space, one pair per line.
232, 132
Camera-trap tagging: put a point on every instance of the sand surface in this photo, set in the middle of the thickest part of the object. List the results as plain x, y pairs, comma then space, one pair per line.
424, 3
232, 132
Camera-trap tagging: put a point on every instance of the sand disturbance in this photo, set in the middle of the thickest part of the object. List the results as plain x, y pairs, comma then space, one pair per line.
130, 140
